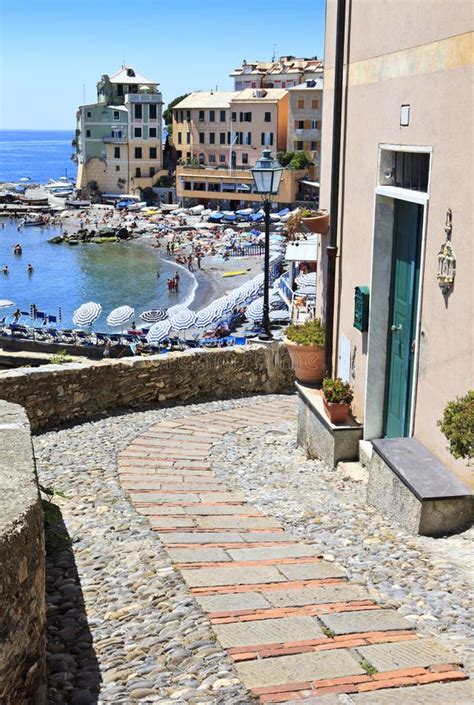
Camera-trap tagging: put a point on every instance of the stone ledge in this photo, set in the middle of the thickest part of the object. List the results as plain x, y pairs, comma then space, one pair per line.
322, 439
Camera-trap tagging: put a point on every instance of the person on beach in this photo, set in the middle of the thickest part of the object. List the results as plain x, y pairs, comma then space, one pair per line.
170, 284
198, 259
16, 316
30, 269
176, 282
17, 250
5, 269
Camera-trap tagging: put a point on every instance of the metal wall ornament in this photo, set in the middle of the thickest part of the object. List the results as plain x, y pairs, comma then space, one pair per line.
447, 259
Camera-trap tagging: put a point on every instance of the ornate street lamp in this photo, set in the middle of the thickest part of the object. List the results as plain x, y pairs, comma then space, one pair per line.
267, 174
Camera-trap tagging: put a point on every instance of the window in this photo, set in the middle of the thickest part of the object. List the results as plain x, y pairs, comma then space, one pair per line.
222, 116
212, 115
116, 152
88, 133
120, 89
300, 125
245, 158
152, 132
188, 115
268, 117
188, 138
138, 172
180, 138
247, 138
152, 171
222, 138
314, 124
88, 114
138, 112
201, 116
267, 138
212, 138
201, 137
299, 146
300, 103
313, 146
202, 158
116, 114
137, 131
153, 152
138, 152
117, 168
222, 158
315, 104
245, 117
233, 117
152, 112
212, 158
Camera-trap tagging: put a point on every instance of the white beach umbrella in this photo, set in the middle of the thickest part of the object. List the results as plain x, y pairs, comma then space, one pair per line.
86, 314
182, 320
308, 279
6, 303
153, 315
158, 332
206, 317
255, 311
120, 315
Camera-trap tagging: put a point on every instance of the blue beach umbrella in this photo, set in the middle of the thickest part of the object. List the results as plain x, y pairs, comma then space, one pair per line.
120, 315
86, 314
158, 332
255, 311
207, 316
182, 319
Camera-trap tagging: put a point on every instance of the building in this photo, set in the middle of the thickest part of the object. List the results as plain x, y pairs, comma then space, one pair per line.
406, 217
119, 139
304, 119
285, 72
220, 135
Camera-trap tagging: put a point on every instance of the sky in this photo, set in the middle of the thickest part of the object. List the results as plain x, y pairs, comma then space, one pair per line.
53, 52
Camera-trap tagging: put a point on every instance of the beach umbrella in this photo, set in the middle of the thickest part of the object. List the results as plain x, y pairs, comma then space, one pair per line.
207, 316
86, 314
120, 315
153, 315
158, 332
255, 311
307, 290
282, 316
182, 320
6, 303
308, 279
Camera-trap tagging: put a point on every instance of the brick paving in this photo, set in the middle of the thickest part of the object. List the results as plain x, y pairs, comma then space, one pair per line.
296, 628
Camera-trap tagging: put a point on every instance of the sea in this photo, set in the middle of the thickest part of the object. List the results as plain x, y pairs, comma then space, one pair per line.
63, 277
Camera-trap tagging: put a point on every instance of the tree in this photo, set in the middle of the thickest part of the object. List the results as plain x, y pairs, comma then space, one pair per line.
168, 113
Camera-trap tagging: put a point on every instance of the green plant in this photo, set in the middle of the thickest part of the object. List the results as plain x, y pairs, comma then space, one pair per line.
309, 333
327, 631
55, 539
368, 668
60, 358
457, 425
310, 213
285, 157
336, 391
301, 160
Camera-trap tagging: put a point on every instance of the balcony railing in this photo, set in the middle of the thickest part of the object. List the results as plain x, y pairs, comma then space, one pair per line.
143, 98
309, 134
115, 140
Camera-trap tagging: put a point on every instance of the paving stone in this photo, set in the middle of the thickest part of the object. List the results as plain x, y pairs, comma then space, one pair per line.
262, 536
152, 510
300, 668
197, 555
201, 537
209, 577
172, 522
238, 523
268, 631
461, 693
313, 596
165, 497
296, 550
312, 571
407, 654
219, 509
221, 496
365, 621
322, 700
233, 601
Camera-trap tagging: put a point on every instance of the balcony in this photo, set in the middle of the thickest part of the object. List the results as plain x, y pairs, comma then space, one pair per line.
115, 140
154, 98
309, 134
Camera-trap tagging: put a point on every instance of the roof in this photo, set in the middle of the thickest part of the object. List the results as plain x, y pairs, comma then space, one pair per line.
302, 251
122, 76
318, 85
206, 99
249, 94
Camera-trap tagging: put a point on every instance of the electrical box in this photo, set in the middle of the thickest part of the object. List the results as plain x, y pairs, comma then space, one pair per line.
361, 308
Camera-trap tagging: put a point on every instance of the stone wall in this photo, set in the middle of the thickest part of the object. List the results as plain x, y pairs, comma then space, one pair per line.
55, 394
22, 591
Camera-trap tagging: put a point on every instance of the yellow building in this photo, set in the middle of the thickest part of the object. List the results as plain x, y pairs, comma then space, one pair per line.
304, 120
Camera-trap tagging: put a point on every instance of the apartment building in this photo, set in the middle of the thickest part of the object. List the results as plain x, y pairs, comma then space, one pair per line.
119, 138
285, 72
304, 119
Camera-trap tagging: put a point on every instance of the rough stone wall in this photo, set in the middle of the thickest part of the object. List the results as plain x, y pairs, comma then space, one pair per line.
22, 566
53, 395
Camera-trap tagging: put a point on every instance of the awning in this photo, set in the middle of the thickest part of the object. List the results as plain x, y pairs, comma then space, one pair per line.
315, 184
302, 251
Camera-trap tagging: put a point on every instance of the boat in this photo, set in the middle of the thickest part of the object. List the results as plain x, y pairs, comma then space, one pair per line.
32, 220
71, 203
168, 207
196, 210
136, 206
235, 274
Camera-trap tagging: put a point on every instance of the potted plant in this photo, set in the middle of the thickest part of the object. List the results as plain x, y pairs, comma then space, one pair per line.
337, 398
315, 220
457, 425
305, 345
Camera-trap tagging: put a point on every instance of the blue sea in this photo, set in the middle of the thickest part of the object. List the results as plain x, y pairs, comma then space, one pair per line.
65, 277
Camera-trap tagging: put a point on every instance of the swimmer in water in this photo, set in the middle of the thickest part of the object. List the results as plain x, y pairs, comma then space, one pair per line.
5, 269
30, 269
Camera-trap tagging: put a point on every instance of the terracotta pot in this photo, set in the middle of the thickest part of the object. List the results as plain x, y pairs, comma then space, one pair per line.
317, 223
338, 413
307, 361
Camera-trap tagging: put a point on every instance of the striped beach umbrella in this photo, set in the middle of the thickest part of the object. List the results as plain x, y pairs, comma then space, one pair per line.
6, 303
120, 315
280, 316
182, 319
158, 332
207, 316
86, 314
153, 315
308, 279
254, 312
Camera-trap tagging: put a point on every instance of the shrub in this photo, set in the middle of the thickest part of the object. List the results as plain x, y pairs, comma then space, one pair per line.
60, 358
457, 425
300, 161
309, 333
337, 391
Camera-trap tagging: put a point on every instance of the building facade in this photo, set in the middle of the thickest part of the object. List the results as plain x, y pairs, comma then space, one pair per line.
119, 139
406, 215
285, 72
304, 119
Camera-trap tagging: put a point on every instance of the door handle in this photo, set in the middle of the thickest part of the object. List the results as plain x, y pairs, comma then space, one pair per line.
395, 328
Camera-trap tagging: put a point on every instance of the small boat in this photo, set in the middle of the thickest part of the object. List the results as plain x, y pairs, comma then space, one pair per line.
136, 206
196, 210
71, 203
235, 274
169, 206
28, 222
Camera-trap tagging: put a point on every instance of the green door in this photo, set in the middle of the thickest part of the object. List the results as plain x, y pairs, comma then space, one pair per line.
402, 317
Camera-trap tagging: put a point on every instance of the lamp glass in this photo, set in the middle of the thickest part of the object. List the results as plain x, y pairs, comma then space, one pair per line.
267, 174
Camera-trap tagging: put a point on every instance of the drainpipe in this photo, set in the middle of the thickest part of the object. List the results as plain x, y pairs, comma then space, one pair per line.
331, 249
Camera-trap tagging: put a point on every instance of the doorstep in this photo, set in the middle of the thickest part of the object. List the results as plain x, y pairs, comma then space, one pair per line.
322, 439
409, 484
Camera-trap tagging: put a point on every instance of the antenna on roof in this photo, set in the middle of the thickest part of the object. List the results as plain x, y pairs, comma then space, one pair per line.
274, 52
84, 93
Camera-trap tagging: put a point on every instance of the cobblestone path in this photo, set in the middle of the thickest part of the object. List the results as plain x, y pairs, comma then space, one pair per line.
296, 629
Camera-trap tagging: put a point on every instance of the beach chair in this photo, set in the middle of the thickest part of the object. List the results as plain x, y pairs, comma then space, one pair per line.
100, 338
83, 338
67, 336
20, 331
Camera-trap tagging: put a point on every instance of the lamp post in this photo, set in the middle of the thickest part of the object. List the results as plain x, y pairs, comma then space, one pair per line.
267, 174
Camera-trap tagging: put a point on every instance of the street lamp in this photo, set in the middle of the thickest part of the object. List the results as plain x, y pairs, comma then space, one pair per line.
267, 174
